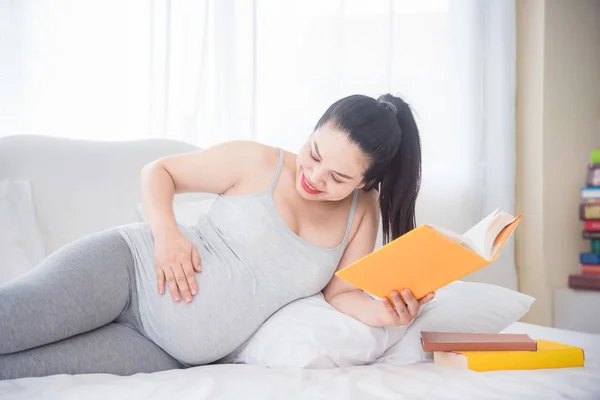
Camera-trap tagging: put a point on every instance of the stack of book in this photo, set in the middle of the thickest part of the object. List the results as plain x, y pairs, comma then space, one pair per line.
499, 351
588, 277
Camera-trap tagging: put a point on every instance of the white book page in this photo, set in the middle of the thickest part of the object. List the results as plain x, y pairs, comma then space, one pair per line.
480, 238
478, 233
460, 239
500, 223
484, 233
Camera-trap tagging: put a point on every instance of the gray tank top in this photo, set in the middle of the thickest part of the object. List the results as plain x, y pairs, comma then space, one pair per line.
252, 265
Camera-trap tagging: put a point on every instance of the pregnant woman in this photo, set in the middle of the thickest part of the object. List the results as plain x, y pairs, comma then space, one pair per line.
158, 296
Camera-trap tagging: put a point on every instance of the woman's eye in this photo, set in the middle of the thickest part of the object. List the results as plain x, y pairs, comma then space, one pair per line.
313, 157
335, 180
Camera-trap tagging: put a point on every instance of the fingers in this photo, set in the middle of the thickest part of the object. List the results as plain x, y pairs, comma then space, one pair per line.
391, 314
182, 283
428, 297
177, 262
412, 304
388, 306
196, 259
160, 278
178, 279
171, 283
401, 308
190, 276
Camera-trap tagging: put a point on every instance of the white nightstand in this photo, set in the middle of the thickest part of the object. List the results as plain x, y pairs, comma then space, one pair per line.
577, 310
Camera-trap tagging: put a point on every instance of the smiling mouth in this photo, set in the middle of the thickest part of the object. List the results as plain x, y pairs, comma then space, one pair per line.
307, 186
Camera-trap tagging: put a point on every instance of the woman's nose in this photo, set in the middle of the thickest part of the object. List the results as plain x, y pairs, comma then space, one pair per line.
316, 176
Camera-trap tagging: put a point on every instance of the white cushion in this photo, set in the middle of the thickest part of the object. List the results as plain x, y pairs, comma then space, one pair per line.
80, 186
21, 246
310, 333
460, 307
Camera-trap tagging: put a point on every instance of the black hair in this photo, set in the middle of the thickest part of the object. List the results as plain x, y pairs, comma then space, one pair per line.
386, 132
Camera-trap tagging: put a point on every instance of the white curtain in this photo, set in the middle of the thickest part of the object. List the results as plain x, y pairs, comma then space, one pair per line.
207, 71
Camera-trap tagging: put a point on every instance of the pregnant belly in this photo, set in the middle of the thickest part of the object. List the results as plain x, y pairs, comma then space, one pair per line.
220, 318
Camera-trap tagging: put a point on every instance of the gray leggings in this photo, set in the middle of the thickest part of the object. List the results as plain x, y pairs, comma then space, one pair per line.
75, 313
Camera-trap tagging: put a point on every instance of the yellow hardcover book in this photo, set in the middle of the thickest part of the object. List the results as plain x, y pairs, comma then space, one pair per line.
548, 355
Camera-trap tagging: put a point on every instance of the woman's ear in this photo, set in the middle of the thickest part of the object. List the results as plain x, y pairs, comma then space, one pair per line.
368, 185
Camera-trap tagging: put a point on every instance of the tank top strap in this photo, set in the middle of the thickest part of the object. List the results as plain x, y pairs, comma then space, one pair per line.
351, 216
278, 170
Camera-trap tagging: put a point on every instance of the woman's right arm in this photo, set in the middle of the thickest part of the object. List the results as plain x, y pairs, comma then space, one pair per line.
209, 171
214, 170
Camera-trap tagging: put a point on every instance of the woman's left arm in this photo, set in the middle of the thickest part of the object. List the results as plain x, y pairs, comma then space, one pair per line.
354, 302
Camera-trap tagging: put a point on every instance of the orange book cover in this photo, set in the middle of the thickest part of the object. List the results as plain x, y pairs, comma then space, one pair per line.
428, 258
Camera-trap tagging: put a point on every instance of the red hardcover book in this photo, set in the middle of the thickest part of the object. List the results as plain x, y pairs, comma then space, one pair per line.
589, 269
591, 226
585, 282
462, 341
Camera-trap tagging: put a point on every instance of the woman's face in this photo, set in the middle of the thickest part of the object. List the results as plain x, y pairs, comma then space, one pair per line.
329, 167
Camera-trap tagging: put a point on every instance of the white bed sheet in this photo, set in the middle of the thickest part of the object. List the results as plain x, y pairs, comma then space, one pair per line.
383, 381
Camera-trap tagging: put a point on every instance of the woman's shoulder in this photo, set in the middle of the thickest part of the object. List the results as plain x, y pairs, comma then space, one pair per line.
250, 147
368, 201
251, 153
255, 162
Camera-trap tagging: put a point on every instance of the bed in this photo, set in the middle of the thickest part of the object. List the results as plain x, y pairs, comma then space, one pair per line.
379, 381
58, 170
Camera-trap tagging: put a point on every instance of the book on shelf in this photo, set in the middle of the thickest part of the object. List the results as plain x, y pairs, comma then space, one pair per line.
589, 209
590, 193
595, 246
591, 225
590, 234
549, 354
593, 175
589, 258
584, 281
463, 341
589, 269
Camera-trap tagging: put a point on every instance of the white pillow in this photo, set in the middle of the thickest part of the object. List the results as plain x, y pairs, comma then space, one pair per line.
21, 246
460, 307
310, 333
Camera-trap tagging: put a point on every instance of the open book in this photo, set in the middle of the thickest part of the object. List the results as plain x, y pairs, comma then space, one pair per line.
429, 257
481, 238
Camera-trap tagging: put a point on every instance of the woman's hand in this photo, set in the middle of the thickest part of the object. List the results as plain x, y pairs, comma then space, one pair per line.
402, 310
177, 260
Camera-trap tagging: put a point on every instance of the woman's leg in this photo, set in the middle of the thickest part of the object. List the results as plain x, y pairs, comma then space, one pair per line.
76, 289
112, 349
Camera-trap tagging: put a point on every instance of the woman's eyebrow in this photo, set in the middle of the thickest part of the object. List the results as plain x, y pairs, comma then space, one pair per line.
337, 173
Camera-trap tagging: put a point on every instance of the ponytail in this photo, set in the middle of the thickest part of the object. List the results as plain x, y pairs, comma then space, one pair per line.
401, 182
